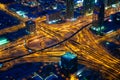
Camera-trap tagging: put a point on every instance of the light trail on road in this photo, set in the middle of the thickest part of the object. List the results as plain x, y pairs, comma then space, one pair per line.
79, 40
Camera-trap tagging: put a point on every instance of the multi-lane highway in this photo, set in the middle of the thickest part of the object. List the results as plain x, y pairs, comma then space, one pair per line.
13, 28
52, 40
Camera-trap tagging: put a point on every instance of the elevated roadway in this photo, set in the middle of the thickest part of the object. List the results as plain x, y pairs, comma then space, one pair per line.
75, 37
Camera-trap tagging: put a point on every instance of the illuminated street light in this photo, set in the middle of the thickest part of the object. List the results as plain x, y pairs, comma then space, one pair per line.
98, 16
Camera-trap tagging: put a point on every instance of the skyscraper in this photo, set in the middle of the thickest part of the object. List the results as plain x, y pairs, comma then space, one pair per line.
110, 2
98, 16
98, 13
69, 9
88, 6
106, 2
30, 26
53, 16
69, 62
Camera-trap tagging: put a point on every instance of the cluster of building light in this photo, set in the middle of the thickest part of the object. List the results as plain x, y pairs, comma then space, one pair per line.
21, 13
73, 19
96, 1
98, 28
53, 21
31, 3
3, 41
79, 1
110, 31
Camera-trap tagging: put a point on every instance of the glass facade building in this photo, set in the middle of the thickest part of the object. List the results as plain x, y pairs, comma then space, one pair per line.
69, 9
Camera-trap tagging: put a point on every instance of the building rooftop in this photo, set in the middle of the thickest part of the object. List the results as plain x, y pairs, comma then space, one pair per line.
68, 56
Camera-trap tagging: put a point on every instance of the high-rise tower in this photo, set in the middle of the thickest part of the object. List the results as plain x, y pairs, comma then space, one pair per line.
53, 17
69, 9
98, 16
98, 13
30, 26
69, 62
111, 2
88, 6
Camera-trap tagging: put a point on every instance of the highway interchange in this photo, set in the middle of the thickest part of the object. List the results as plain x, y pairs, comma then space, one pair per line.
50, 41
